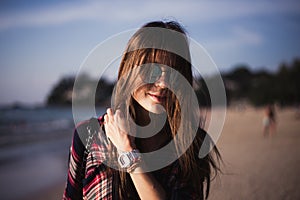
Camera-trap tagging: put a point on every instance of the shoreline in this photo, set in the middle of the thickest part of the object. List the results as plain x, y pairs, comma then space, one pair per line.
256, 167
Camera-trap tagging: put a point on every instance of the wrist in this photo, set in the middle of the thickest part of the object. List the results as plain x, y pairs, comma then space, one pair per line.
129, 144
127, 149
137, 169
129, 160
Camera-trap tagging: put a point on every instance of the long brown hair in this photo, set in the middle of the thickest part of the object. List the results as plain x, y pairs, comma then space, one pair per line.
153, 46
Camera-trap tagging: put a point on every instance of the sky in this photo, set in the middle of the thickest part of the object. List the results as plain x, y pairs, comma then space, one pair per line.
43, 41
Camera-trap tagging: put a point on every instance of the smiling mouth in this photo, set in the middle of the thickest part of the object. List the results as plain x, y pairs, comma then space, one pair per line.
157, 98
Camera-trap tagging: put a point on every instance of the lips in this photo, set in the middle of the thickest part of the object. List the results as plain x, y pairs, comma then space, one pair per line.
159, 98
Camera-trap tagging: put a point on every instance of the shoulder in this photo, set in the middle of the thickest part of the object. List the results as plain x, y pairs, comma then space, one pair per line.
86, 130
90, 124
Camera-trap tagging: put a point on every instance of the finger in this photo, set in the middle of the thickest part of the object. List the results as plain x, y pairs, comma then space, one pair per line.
119, 115
119, 112
119, 118
106, 125
105, 119
109, 112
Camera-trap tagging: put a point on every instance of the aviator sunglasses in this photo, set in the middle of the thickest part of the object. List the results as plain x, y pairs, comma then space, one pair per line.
153, 72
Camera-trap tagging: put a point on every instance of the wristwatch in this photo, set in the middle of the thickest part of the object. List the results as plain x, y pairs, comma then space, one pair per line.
128, 159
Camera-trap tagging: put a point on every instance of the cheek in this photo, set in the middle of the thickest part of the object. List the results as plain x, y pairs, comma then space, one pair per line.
139, 93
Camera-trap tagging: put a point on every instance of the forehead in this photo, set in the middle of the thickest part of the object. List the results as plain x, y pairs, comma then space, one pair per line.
158, 56
156, 67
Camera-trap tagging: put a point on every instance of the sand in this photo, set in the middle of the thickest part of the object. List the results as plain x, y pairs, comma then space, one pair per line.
255, 167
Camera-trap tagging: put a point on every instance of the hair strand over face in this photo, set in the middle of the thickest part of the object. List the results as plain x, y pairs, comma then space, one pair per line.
150, 44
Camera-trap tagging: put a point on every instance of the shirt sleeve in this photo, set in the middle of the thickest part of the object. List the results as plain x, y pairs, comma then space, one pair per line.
79, 162
73, 189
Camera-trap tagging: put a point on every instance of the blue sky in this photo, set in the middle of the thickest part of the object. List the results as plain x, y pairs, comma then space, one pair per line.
41, 41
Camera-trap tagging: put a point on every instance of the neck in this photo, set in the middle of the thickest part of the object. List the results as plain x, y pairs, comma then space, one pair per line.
142, 117
155, 142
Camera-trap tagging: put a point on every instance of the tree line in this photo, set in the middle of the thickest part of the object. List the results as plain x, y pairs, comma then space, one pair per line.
261, 87
241, 84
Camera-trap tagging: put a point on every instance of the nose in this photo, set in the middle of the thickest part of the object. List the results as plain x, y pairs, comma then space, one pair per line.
162, 81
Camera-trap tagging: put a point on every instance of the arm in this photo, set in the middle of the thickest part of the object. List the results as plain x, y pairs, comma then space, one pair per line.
145, 184
73, 188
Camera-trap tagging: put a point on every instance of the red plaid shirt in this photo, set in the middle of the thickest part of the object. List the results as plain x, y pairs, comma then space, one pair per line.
90, 180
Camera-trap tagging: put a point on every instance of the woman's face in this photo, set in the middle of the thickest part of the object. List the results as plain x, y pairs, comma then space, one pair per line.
152, 96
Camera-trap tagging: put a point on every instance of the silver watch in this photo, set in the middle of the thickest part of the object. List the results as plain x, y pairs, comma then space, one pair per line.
127, 159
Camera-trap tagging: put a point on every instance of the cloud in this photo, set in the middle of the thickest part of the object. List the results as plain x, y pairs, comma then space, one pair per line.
237, 38
247, 37
44, 16
131, 11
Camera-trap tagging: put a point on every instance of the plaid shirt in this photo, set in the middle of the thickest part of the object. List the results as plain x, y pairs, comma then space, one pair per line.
90, 180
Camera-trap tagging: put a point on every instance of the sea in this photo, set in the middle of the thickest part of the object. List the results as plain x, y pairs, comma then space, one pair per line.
34, 148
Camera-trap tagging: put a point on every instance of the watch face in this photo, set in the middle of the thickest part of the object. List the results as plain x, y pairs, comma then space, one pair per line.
124, 161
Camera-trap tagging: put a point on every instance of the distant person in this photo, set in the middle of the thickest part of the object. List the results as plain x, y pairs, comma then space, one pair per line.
115, 166
269, 121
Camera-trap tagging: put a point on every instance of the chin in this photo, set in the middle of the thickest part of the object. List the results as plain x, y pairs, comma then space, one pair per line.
156, 109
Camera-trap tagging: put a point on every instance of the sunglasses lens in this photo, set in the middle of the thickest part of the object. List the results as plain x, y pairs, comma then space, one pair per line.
155, 73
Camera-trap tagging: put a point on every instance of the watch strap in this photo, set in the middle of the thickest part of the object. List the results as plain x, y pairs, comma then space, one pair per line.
134, 157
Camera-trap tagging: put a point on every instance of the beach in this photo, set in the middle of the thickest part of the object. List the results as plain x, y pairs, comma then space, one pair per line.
254, 166
257, 167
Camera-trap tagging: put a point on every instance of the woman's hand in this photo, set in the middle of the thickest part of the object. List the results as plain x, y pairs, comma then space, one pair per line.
117, 130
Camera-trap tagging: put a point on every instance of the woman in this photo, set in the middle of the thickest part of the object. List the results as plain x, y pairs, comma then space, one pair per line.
127, 158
